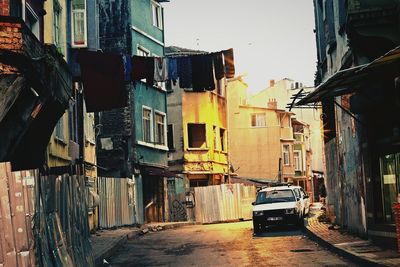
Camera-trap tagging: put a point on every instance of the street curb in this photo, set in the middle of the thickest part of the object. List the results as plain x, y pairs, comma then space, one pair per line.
339, 251
98, 261
227, 221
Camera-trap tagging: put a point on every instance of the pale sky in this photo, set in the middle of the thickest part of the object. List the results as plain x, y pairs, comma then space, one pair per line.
272, 39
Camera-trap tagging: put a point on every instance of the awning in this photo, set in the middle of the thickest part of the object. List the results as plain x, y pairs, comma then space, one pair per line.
352, 79
154, 171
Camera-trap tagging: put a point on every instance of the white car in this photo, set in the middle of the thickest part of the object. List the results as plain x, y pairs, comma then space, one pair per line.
279, 205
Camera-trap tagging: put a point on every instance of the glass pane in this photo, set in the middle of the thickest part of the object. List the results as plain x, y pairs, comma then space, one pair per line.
78, 4
389, 185
79, 28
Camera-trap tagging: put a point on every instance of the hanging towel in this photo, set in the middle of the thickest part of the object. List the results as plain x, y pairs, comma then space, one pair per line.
149, 71
202, 71
172, 70
219, 67
139, 67
160, 69
229, 63
184, 70
103, 81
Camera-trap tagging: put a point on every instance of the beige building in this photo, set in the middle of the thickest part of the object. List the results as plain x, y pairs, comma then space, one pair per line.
282, 91
260, 138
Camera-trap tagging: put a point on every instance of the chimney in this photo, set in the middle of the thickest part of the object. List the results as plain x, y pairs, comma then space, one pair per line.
271, 83
272, 104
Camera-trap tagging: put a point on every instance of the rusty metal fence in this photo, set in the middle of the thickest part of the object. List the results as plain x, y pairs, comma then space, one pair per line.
224, 202
116, 206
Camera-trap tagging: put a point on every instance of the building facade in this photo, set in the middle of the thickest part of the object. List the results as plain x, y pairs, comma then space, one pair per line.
354, 39
197, 131
137, 133
261, 139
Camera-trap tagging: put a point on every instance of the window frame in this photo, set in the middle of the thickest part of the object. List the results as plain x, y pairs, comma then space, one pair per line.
85, 34
299, 158
164, 125
157, 15
57, 16
59, 130
205, 137
222, 138
286, 152
257, 120
151, 127
172, 132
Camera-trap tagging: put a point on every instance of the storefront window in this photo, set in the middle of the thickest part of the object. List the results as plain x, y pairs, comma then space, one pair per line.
390, 172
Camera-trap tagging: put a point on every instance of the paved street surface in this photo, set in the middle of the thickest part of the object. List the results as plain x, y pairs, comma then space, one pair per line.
230, 244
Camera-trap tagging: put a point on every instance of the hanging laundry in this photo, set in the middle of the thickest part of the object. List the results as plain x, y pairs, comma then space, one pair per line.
172, 70
184, 69
229, 63
143, 68
203, 74
103, 80
219, 67
139, 68
160, 69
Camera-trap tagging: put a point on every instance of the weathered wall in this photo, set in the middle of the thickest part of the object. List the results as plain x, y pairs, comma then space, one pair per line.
210, 109
174, 102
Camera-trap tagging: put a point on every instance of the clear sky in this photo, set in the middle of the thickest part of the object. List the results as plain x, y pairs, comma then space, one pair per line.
272, 39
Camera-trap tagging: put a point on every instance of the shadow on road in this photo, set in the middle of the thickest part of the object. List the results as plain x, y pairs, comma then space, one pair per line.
276, 231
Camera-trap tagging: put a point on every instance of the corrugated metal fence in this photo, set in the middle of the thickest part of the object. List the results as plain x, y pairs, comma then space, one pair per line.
224, 202
116, 206
43, 219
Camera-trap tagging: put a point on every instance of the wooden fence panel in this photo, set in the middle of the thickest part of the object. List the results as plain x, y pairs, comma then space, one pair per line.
224, 202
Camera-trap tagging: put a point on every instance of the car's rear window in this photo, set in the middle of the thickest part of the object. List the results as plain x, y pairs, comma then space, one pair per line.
275, 196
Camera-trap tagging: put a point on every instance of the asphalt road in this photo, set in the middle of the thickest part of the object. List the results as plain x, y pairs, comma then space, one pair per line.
230, 244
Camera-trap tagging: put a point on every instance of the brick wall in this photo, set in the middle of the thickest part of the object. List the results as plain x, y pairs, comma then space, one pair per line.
10, 40
4, 7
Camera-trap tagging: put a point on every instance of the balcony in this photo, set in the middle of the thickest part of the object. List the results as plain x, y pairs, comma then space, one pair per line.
35, 88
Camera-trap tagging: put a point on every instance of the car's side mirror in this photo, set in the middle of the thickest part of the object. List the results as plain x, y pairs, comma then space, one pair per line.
253, 203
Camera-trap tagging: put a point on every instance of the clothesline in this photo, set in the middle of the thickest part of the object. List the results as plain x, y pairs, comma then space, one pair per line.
104, 75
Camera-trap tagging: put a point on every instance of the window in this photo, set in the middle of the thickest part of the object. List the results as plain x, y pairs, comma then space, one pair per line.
222, 139
56, 25
197, 135
32, 21
170, 133
143, 52
157, 15
160, 128
286, 155
89, 127
390, 180
297, 160
258, 120
59, 131
79, 35
147, 125
215, 138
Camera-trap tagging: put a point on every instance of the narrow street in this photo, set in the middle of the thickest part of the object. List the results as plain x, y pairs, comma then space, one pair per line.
229, 244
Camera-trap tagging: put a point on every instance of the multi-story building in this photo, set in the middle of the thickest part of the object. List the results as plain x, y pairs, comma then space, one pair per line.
197, 131
357, 78
261, 138
138, 133
284, 91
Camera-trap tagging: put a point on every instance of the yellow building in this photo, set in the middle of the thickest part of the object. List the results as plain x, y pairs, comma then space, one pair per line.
197, 135
260, 138
64, 149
